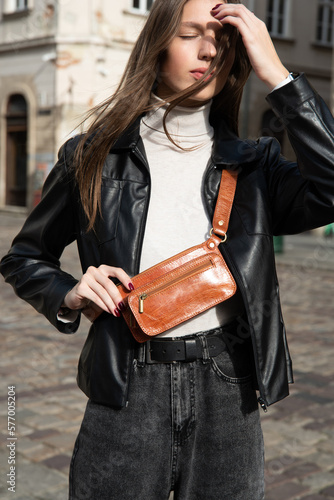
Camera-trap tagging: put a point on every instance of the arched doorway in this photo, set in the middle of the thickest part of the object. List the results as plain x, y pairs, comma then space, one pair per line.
16, 152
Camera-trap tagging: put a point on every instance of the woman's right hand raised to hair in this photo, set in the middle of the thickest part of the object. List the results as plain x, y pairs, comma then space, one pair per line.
96, 292
260, 48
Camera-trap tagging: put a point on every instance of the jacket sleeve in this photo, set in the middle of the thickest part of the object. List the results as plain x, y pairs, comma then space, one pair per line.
32, 264
302, 195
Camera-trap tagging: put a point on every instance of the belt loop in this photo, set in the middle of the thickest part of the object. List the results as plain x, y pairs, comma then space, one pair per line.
205, 348
141, 354
191, 350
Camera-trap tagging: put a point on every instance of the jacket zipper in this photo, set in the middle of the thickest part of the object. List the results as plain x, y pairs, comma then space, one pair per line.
230, 263
210, 167
225, 253
165, 286
262, 404
142, 159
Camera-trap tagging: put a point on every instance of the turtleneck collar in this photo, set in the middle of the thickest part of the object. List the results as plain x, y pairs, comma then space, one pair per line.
184, 124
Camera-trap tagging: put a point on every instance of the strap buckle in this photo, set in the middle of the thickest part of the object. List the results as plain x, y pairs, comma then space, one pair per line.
223, 239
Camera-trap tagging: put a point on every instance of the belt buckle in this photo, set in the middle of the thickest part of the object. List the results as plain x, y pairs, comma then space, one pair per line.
151, 361
189, 350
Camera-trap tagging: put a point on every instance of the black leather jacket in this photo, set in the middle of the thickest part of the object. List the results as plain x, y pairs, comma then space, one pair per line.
273, 196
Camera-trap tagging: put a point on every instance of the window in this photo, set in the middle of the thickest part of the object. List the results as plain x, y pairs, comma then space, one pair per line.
142, 6
325, 22
21, 4
13, 6
277, 17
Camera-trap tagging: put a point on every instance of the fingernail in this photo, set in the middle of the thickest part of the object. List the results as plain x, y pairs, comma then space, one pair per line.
216, 7
117, 313
130, 286
121, 306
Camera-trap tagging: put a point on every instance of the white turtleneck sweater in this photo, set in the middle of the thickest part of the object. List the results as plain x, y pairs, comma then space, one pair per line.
177, 217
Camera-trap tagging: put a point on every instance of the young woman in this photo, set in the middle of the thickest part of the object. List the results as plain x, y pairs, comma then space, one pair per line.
139, 187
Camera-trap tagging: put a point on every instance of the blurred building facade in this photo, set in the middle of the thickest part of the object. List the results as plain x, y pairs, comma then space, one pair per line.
57, 59
60, 57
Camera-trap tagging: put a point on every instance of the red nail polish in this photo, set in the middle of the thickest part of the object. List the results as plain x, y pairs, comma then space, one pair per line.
121, 306
131, 287
216, 7
117, 313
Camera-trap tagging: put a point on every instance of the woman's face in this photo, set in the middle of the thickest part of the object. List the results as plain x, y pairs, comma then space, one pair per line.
191, 52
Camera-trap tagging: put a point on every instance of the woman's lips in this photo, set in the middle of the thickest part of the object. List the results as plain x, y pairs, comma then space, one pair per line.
199, 72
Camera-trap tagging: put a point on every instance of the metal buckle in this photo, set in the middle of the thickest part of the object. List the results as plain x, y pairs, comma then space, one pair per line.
223, 239
148, 358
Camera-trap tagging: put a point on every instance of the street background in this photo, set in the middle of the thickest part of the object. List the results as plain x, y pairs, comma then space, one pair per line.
41, 363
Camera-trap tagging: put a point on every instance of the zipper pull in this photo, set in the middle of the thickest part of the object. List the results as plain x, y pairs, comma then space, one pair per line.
142, 297
263, 405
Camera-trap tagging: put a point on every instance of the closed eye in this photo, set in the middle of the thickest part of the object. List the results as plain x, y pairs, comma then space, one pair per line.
188, 37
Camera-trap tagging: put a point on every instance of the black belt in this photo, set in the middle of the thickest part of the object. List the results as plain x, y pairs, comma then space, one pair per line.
188, 349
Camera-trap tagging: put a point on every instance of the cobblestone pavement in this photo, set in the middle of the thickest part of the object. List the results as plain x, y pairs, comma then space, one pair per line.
41, 364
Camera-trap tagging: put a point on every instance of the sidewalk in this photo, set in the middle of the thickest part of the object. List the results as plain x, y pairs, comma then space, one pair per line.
308, 251
41, 364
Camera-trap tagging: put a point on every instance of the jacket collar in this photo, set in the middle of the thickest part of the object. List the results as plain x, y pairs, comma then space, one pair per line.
228, 148
129, 139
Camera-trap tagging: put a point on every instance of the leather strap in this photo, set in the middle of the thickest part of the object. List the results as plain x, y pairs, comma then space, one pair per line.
224, 203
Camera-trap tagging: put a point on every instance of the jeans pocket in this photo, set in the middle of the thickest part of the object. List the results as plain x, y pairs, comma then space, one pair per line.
234, 370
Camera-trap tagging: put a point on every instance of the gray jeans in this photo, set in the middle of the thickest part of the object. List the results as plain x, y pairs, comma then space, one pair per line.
190, 427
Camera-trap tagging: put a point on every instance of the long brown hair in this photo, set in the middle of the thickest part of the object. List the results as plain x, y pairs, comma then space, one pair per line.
132, 97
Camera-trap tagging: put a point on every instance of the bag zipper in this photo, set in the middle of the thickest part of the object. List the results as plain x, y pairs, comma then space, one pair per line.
145, 295
142, 297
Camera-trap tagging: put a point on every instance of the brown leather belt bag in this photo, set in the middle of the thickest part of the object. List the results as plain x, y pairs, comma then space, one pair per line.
186, 284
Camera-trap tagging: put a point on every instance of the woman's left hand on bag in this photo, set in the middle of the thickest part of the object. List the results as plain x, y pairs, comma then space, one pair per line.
260, 48
95, 292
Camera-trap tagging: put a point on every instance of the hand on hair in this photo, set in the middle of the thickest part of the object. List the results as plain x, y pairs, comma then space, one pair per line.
260, 48
95, 292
